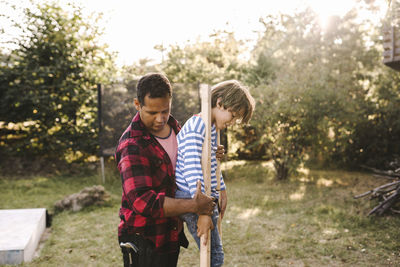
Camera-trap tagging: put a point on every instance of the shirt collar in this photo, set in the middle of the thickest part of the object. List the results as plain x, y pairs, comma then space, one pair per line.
138, 128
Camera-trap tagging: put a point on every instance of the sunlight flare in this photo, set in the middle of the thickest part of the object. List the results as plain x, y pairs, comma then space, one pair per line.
324, 182
299, 194
248, 213
327, 9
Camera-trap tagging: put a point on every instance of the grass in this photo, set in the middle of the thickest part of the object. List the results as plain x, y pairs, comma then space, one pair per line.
311, 220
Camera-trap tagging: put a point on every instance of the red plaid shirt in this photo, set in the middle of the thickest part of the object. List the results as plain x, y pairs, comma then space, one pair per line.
147, 178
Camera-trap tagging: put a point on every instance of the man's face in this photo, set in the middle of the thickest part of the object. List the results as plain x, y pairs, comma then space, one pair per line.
154, 113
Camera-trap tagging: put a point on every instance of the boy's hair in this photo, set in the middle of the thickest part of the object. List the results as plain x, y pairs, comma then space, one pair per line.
154, 84
234, 96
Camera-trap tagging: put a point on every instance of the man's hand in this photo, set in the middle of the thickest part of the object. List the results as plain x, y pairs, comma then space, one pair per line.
205, 204
220, 153
204, 224
223, 203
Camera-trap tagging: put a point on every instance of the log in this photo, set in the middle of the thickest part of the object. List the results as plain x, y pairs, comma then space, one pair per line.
389, 173
385, 205
389, 193
377, 189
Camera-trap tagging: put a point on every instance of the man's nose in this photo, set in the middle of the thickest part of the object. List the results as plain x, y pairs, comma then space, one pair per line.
160, 117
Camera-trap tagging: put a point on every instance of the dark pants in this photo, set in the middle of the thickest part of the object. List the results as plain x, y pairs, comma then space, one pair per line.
146, 256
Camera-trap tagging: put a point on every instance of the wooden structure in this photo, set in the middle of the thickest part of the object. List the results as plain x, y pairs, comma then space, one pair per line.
391, 36
391, 46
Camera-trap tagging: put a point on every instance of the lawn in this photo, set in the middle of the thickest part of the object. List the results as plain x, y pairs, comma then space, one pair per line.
311, 220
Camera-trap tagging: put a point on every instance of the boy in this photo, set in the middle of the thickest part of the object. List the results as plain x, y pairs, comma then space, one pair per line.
230, 103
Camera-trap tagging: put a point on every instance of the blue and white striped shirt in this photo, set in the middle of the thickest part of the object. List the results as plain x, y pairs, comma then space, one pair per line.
188, 165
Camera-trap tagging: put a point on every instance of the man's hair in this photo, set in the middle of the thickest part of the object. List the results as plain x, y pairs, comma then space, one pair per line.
154, 85
234, 96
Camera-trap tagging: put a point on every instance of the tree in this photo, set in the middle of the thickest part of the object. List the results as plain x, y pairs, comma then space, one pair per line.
205, 62
315, 94
48, 83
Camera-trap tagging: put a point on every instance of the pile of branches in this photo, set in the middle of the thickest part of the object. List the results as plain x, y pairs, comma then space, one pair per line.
387, 194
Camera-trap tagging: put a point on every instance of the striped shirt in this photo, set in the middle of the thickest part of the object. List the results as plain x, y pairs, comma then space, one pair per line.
188, 165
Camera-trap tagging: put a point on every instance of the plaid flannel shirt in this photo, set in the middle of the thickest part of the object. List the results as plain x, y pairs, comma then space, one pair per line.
147, 178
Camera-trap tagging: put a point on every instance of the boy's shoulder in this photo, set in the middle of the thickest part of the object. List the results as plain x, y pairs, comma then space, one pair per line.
194, 123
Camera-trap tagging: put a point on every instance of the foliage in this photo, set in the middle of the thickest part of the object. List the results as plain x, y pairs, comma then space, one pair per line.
377, 135
206, 62
322, 93
312, 86
48, 83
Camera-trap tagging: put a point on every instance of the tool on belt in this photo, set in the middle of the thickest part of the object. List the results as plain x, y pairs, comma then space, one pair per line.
131, 248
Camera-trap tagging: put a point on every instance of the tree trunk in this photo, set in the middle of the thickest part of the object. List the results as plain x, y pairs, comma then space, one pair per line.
282, 171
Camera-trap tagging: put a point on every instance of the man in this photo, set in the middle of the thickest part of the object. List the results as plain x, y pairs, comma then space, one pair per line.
150, 233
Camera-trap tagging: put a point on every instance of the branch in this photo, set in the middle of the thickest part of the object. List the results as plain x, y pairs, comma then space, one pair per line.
386, 173
384, 176
384, 205
377, 189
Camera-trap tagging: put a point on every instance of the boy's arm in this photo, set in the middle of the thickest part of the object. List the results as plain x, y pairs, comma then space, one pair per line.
220, 153
204, 223
193, 146
223, 203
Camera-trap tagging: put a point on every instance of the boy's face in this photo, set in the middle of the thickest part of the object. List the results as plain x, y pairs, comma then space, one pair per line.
225, 117
154, 113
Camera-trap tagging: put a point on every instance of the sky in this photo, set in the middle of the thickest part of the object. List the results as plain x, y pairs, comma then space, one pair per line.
133, 27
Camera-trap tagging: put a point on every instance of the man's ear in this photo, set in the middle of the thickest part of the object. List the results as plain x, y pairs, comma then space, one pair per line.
136, 103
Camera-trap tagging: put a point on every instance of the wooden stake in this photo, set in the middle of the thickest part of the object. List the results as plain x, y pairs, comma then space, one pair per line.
205, 94
218, 174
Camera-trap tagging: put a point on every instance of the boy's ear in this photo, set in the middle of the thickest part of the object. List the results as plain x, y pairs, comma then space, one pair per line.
136, 103
219, 104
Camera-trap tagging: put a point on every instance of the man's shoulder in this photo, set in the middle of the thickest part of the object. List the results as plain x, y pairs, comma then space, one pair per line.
132, 140
172, 122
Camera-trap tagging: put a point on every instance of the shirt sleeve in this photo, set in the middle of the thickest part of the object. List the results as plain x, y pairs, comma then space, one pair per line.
192, 147
222, 182
137, 182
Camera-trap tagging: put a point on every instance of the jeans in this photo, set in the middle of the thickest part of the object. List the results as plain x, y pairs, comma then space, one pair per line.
217, 253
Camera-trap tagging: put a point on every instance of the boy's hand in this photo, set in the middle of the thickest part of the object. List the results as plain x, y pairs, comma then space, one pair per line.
205, 204
223, 203
220, 153
204, 224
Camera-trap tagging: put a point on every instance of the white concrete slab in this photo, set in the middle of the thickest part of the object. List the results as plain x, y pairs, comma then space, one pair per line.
20, 232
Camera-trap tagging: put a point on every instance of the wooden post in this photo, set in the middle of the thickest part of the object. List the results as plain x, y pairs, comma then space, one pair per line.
218, 174
205, 95
99, 118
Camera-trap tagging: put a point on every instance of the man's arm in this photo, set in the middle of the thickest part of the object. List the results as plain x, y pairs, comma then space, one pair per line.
137, 182
200, 204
